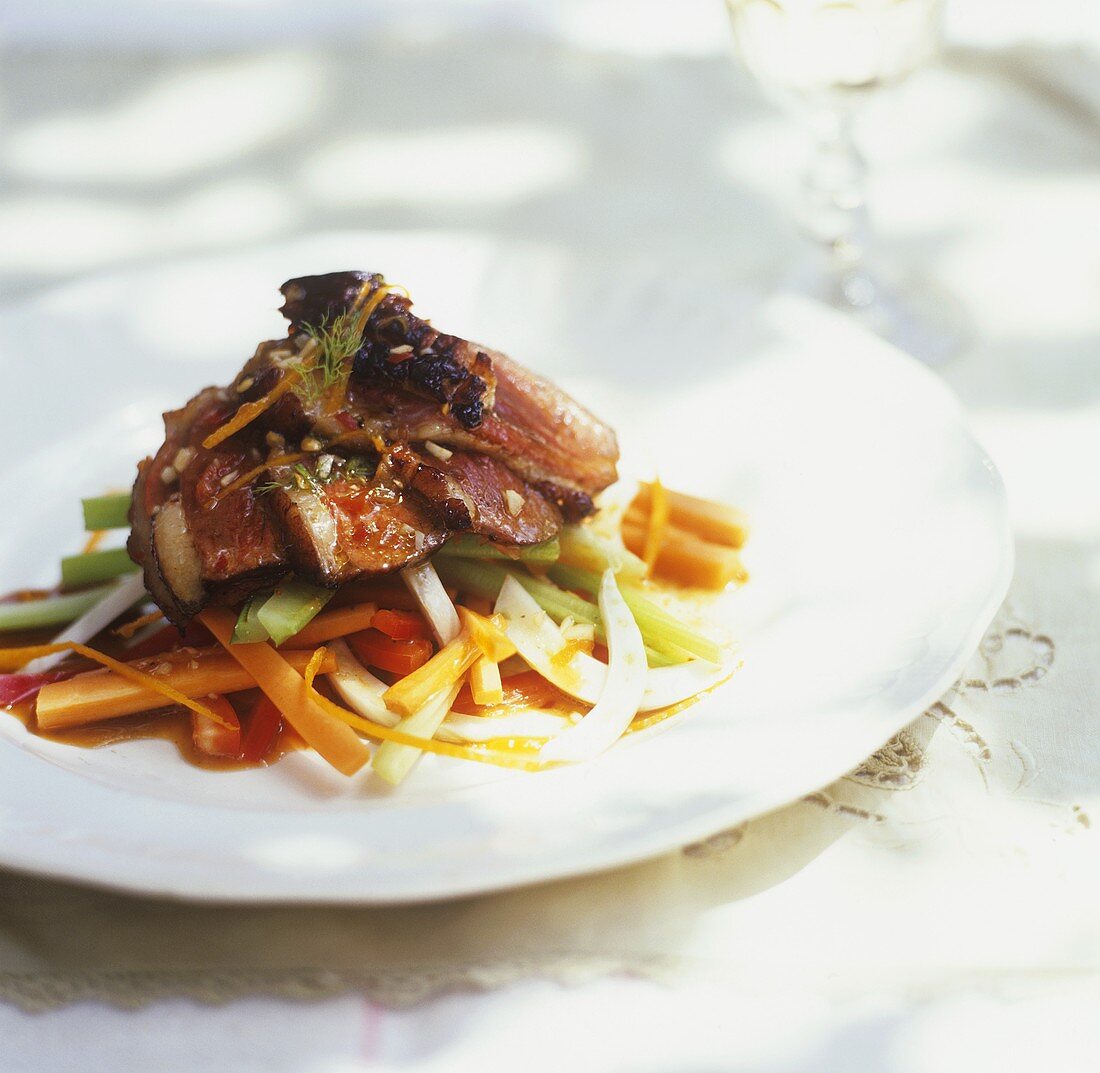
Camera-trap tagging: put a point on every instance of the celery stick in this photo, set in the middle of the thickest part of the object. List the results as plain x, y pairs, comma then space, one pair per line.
94, 566
290, 608
581, 547
466, 546
50, 611
485, 579
657, 625
107, 512
249, 629
394, 761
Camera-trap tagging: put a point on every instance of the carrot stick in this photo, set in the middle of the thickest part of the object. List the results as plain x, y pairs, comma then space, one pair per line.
485, 684
689, 560
656, 526
332, 623
449, 664
97, 695
717, 522
287, 690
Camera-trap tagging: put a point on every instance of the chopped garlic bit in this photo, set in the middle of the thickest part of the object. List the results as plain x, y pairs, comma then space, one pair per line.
168, 475
440, 452
579, 631
229, 478
513, 501
245, 384
311, 444
183, 459
324, 466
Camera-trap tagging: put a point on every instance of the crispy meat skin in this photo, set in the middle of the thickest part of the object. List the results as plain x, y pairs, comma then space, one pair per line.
506, 430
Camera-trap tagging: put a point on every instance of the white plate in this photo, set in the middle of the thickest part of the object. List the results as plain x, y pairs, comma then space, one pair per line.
880, 551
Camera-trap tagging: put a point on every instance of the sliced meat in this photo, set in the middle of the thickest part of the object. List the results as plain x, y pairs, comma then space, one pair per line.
342, 528
478, 494
362, 467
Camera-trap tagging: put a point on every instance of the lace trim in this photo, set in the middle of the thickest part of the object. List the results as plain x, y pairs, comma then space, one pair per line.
408, 986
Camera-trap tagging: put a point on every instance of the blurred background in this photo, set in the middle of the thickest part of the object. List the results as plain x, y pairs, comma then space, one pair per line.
137, 131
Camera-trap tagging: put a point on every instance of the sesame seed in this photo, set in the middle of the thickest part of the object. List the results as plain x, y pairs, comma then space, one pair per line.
404, 348
182, 459
245, 384
513, 501
273, 439
168, 475
229, 478
311, 444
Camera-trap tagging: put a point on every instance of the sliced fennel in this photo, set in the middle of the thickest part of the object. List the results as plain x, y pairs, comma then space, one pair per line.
117, 600
542, 646
539, 641
392, 761
624, 684
529, 723
359, 688
485, 580
432, 599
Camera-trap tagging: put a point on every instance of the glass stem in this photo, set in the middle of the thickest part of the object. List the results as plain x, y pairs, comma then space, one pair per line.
834, 203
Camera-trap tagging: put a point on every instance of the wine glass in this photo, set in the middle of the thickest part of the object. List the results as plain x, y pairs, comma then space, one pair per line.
824, 57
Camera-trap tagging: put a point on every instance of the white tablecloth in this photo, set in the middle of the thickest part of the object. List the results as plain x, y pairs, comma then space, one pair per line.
936, 911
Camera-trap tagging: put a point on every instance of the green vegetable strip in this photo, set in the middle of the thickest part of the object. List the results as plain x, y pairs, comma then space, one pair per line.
466, 546
94, 566
583, 548
50, 611
290, 608
107, 512
249, 629
656, 624
485, 579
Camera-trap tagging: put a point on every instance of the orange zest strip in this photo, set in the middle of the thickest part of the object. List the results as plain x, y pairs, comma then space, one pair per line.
288, 691
252, 474
248, 413
658, 523
13, 658
128, 629
482, 755
314, 665
94, 540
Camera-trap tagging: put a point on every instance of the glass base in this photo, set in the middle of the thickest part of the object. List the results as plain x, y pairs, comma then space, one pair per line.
913, 314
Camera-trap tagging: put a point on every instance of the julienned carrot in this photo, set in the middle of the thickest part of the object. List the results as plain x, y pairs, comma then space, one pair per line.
97, 695
656, 525
488, 633
288, 691
689, 560
446, 667
498, 757
717, 522
398, 657
485, 685
332, 623
526, 690
402, 625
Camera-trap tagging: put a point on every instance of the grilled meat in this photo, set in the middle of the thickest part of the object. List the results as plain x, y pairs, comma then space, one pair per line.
387, 437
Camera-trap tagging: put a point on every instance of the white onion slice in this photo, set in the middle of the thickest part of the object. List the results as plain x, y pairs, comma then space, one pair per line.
431, 597
623, 688
359, 688
538, 640
128, 592
393, 761
529, 723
